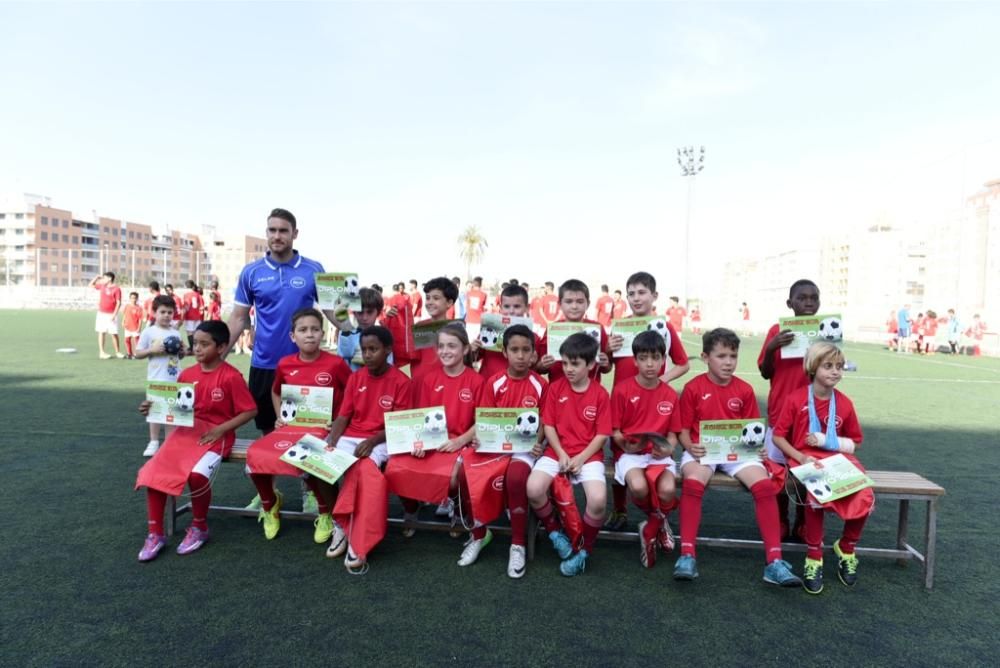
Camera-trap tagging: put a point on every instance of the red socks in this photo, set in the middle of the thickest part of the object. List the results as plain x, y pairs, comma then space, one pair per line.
691, 496
591, 525
156, 504
410, 506
619, 495
852, 534
479, 533
201, 498
547, 515
516, 485
765, 506
814, 533
265, 490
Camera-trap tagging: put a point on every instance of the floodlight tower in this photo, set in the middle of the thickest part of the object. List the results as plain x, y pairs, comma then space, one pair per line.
691, 162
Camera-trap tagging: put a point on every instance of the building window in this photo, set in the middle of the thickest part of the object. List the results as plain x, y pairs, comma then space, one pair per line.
65, 238
65, 224
45, 235
45, 220
2, 216
18, 216
45, 280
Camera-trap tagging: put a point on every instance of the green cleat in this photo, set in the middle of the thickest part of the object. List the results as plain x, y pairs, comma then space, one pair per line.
254, 503
847, 566
812, 576
309, 503
271, 519
324, 528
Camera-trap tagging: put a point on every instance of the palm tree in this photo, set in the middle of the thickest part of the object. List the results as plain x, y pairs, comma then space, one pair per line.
471, 248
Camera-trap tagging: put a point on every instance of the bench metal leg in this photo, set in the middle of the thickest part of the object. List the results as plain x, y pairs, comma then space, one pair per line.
170, 520
901, 530
931, 544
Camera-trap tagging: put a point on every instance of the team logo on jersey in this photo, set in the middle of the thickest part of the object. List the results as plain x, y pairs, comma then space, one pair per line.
529, 402
385, 401
634, 400
465, 395
293, 372
706, 396
590, 412
218, 394
665, 408
735, 404
282, 445
362, 388
297, 282
323, 378
498, 483
563, 400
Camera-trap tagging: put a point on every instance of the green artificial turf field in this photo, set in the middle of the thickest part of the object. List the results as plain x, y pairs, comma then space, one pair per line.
73, 592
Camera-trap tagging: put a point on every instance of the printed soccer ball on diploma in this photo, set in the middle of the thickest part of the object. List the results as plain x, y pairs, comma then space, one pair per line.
494, 325
732, 441
417, 429
310, 454
557, 332
170, 403
506, 430
306, 405
808, 329
629, 328
339, 292
832, 478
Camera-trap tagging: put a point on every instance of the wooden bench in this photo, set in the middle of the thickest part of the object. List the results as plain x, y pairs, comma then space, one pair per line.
897, 486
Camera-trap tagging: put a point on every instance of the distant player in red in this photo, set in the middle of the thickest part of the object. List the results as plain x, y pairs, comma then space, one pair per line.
475, 302
194, 309
720, 395
640, 407
513, 302
179, 307
641, 289
574, 299
548, 303
108, 307
132, 318
454, 311
190, 455
154, 292
213, 290
745, 314
696, 320
433, 476
930, 333
416, 300
676, 314
604, 308
977, 331
515, 387
785, 376
309, 367
213, 311
816, 422
398, 318
439, 296
620, 306
577, 418
374, 390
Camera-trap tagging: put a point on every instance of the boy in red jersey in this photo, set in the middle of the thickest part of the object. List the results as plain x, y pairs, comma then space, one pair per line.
213, 311
107, 312
618, 310
786, 376
513, 302
178, 320
375, 389
576, 413
439, 297
641, 406
194, 309
816, 422
416, 300
191, 455
310, 367
719, 395
132, 323
515, 387
604, 308
641, 290
154, 292
675, 314
548, 304
398, 319
574, 300
475, 306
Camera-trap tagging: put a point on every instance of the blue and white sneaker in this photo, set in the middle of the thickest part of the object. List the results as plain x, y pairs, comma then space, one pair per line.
779, 572
561, 544
686, 568
575, 565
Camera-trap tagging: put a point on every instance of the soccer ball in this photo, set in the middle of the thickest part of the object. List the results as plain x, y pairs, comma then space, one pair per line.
172, 345
658, 326
185, 399
297, 453
527, 424
595, 334
288, 411
753, 435
434, 423
351, 286
818, 488
830, 330
488, 337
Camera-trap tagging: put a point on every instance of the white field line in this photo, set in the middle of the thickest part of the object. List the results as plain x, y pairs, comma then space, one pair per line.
850, 375
922, 359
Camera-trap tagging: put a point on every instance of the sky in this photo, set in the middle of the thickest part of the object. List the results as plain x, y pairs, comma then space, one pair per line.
388, 128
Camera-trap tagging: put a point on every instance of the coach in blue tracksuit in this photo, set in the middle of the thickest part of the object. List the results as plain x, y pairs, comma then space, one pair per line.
277, 285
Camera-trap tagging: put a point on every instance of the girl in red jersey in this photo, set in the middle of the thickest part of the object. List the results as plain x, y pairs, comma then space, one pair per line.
432, 476
310, 367
190, 455
817, 422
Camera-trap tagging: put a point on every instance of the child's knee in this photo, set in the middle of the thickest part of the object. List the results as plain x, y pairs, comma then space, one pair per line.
666, 487
637, 486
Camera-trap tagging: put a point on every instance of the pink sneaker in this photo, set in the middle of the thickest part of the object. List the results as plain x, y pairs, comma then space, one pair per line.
193, 540
154, 543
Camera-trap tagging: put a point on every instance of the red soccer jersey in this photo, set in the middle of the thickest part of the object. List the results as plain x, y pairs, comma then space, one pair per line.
148, 307
418, 304
578, 417
793, 421
625, 367
502, 391
549, 305
325, 371
605, 307
458, 394
536, 312
555, 371
475, 304
704, 400
424, 360
110, 296
219, 395
637, 410
214, 311
368, 398
930, 326
676, 316
492, 362
401, 328
132, 317
618, 310
193, 305
178, 307
788, 376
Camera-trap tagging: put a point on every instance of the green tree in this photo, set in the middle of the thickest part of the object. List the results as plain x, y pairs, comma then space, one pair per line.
471, 248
